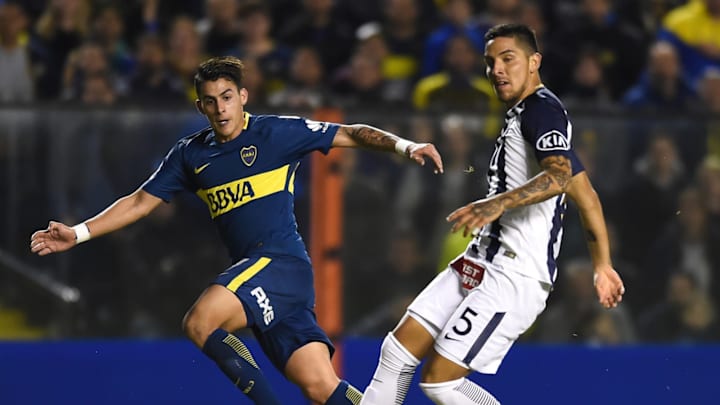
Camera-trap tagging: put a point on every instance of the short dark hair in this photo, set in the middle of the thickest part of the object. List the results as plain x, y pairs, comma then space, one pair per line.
227, 67
522, 33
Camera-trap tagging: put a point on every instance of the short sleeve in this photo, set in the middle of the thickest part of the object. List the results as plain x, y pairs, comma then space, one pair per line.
300, 136
546, 128
170, 177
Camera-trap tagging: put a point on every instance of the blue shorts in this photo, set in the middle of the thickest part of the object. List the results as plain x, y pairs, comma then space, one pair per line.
278, 296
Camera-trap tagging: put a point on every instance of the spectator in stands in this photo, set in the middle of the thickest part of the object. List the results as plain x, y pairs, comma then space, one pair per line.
649, 197
460, 86
254, 82
87, 60
61, 28
16, 82
499, 12
97, 89
708, 177
362, 84
694, 29
615, 41
405, 39
185, 52
458, 20
404, 272
588, 86
151, 81
709, 91
577, 317
662, 86
318, 26
305, 89
686, 315
221, 27
108, 29
256, 42
688, 243
366, 234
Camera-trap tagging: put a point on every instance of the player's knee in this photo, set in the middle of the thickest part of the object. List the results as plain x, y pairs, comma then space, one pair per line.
195, 328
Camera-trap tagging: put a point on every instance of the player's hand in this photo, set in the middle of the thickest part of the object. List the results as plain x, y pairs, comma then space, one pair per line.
419, 151
609, 286
57, 237
475, 215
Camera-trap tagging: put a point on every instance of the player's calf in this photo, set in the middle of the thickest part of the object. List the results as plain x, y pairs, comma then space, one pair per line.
235, 360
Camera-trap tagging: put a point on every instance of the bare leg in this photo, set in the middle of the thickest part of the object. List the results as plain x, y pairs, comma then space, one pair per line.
311, 369
215, 314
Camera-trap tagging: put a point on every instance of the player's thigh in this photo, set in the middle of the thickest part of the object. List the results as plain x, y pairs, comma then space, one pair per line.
436, 303
216, 307
490, 319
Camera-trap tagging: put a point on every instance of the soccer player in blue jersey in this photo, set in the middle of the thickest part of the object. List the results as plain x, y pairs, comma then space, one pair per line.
243, 166
469, 316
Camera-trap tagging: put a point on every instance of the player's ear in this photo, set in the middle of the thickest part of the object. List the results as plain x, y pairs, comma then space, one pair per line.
243, 96
199, 106
535, 61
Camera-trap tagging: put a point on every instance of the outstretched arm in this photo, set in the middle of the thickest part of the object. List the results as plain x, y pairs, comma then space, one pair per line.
360, 135
59, 237
608, 284
553, 180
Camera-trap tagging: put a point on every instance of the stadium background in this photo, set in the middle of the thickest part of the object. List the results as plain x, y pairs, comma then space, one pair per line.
93, 93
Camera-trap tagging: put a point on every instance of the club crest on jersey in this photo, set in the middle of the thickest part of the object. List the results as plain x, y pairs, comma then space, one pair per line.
248, 155
553, 140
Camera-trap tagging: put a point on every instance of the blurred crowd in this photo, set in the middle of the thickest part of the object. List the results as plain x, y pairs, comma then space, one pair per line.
651, 66
419, 54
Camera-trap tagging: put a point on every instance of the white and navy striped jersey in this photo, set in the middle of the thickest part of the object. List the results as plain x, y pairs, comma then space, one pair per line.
529, 236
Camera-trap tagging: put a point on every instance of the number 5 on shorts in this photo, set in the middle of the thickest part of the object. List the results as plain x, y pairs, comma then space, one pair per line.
467, 327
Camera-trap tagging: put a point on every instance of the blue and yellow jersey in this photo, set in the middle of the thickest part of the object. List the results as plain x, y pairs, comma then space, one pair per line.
248, 182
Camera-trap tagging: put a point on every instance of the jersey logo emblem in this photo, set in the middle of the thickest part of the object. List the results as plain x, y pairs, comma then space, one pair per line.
198, 169
552, 140
248, 155
316, 126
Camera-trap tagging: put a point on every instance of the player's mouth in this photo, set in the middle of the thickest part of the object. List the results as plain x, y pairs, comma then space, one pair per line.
222, 123
502, 85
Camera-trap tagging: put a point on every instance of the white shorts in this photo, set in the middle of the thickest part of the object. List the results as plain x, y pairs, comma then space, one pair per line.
476, 328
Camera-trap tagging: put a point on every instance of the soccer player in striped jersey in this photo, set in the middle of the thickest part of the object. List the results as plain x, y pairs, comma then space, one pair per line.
469, 316
243, 167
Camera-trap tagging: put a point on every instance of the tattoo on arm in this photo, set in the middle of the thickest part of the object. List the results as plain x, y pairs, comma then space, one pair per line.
551, 182
559, 168
590, 236
369, 137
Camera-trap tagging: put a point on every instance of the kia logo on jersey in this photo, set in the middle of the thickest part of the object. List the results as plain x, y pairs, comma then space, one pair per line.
248, 155
553, 140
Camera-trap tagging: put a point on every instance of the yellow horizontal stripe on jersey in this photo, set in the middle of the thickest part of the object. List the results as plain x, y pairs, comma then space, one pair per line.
226, 197
248, 273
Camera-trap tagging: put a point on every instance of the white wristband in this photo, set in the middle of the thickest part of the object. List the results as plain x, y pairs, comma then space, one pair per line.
402, 145
82, 233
